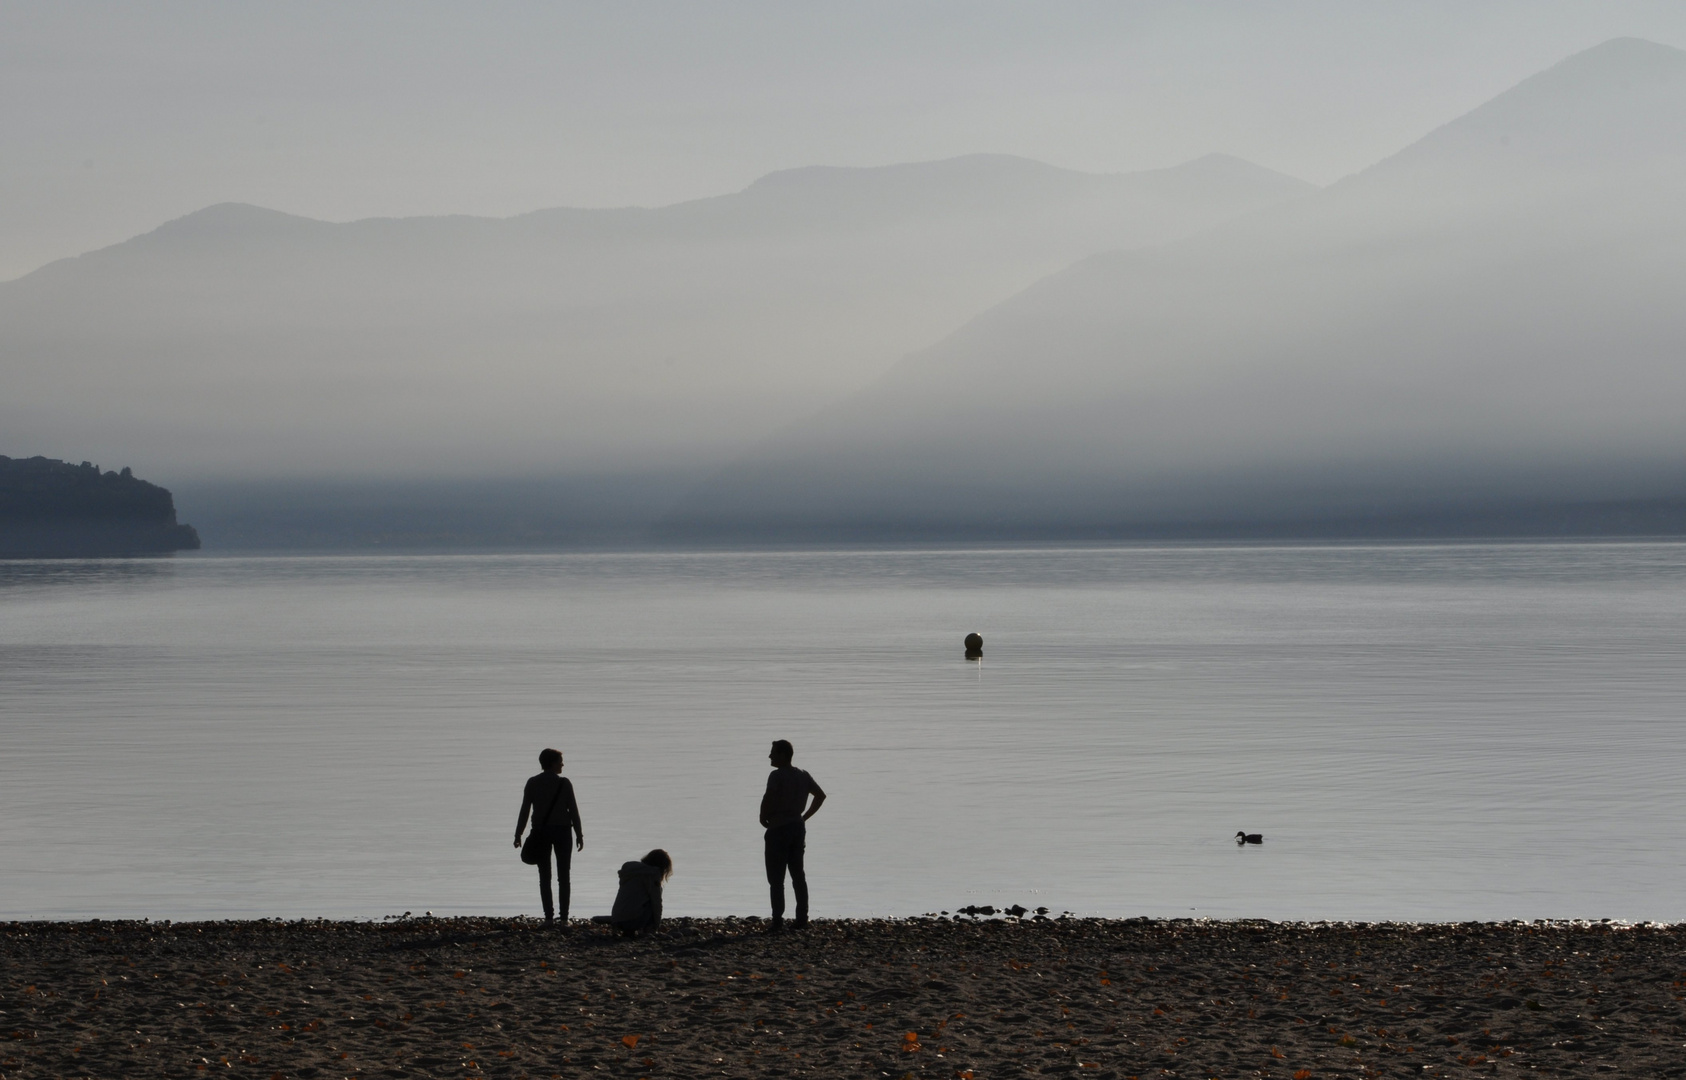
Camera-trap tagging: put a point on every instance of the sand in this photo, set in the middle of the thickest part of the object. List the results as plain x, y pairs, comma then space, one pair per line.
944, 998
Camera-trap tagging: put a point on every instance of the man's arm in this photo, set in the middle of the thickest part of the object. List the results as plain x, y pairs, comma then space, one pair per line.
819, 797
574, 816
526, 808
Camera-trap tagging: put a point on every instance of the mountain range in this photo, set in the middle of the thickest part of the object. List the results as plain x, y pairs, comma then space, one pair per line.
1488, 320
239, 342
1483, 328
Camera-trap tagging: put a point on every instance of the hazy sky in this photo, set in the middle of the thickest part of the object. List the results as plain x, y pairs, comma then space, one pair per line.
116, 117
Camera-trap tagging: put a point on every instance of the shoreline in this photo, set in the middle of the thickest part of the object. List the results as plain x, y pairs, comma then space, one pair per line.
986, 998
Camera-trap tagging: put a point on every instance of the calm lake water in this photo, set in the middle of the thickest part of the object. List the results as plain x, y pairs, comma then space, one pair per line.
1421, 732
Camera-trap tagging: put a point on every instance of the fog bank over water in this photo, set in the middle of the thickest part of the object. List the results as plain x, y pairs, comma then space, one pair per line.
238, 342
1481, 334
1490, 318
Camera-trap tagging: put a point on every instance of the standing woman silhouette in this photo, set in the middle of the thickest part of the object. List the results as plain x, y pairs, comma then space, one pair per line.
549, 798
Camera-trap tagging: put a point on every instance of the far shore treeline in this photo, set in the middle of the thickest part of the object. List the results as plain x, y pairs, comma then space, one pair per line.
51, 509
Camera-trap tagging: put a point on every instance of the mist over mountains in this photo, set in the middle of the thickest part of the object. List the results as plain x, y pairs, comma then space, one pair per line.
1479, 335
239, 342
1488, 321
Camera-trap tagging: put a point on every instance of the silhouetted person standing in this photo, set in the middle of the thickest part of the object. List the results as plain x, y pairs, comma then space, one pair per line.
549, 798
784, 818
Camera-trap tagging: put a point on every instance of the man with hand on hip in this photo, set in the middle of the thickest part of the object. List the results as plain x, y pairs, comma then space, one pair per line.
784, 814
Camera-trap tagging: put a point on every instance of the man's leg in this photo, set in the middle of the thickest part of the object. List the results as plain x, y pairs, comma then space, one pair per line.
775, 872
544, 882
798, 876
564, 865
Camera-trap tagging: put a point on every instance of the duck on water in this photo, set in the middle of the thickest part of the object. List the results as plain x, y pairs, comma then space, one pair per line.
1248, 838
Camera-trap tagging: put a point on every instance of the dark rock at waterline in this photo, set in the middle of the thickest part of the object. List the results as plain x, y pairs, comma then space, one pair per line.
51, 509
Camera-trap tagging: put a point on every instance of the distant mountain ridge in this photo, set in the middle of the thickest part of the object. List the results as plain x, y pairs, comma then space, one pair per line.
1488, 319
944, 187
239, 341
822, 196
1479, 335
1623, 97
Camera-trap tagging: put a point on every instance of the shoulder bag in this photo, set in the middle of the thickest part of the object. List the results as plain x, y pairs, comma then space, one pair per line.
535, 847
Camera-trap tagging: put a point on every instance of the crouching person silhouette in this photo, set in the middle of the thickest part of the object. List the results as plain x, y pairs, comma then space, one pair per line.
638, 904
785, 819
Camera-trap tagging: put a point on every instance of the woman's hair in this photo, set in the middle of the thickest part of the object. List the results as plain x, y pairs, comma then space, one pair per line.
547, 758
659, 858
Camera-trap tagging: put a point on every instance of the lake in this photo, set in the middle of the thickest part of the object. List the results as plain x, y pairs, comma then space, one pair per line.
1423, 732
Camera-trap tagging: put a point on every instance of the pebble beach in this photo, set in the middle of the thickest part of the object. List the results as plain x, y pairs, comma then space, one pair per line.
972, 998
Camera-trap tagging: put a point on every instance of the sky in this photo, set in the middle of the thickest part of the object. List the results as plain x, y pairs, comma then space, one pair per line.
116, 117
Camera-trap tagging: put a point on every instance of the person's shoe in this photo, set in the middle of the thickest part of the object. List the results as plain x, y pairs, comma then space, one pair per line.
776, 925
801, 923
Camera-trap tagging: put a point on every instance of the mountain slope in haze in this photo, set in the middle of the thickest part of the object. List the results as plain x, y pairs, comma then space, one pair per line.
239, 341
1490, 317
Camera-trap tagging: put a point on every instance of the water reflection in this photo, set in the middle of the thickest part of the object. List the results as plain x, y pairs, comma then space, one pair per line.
27, 573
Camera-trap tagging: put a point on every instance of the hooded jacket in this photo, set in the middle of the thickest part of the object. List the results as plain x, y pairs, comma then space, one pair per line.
639, 902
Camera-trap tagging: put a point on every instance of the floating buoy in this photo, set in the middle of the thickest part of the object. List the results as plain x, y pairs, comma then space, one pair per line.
974, 646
